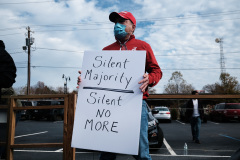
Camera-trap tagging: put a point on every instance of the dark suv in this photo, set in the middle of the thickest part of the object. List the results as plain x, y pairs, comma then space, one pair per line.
50, 114
27, 114
155, 133
225, 111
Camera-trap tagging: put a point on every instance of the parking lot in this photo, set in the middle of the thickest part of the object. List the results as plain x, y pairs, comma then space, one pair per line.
218, 141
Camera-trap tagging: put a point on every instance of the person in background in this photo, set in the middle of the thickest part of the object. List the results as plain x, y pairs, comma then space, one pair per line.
125, 25
195, 114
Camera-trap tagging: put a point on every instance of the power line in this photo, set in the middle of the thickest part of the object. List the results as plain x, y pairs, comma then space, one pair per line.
141, 20
34, 2
193, 16
3, 29
196, 22
195, 54
16, 52
10, 34
51, 67
22, 62
197, 68
60, 50
60, 67
145, 20
53, 49
152, 26
60, 30
155, 55
57, 25
73, 24
175, 49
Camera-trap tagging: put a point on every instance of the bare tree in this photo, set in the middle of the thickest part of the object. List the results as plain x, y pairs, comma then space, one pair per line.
152, 90
21, 90
210, 88
60, 90
227, 85
176, 84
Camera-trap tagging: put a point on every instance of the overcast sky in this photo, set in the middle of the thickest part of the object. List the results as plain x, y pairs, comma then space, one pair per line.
181, 33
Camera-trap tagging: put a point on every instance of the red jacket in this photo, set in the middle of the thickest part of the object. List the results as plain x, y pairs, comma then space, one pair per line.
152, 67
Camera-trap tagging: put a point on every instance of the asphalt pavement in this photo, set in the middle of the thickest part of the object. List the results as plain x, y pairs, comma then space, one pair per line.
218, 142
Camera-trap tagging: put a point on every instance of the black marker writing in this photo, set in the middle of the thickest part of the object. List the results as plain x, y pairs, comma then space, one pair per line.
101, 126
100, 62
95, 99
107, 113
100, 77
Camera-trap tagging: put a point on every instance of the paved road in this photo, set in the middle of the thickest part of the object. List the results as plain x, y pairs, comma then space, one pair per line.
218, 142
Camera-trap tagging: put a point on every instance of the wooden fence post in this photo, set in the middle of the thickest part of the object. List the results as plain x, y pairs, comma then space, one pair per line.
69, 152
11, 129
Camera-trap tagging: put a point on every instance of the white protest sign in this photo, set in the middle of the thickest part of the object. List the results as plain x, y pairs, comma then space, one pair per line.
109, 103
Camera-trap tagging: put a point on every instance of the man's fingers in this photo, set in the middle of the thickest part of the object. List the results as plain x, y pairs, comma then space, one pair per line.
140, 82
143, 81
79, 79
143, 87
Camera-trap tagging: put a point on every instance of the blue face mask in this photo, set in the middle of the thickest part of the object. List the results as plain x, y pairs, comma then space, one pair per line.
119, 31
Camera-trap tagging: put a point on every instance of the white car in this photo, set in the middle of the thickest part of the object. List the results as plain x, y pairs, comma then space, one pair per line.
163, 113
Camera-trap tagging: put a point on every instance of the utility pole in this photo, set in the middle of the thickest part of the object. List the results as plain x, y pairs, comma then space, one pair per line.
29, 62
29, 42
65, 83
222, 61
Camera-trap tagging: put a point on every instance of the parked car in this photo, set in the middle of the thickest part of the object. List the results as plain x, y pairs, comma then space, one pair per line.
155, 133
162, 113
183, 117
50, 114
225, 111
27, 114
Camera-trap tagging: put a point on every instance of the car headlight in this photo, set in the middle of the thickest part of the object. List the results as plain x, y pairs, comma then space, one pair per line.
151, 123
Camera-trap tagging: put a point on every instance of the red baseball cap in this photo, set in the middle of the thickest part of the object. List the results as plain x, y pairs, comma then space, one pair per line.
124, 14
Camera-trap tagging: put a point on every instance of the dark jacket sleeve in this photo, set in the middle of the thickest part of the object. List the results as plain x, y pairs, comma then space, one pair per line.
200, 109
189, 109
7, 69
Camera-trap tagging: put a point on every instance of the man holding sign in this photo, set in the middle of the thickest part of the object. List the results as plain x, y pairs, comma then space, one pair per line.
125, 24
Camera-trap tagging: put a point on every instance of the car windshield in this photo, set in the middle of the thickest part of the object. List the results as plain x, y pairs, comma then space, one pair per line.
41, 103
26, 103
162, 109
232, 106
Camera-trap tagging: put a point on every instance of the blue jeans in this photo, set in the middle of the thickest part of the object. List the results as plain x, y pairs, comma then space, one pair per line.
143, 153
195, 126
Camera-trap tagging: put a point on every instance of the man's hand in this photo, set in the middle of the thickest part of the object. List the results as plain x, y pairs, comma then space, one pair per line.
144, 82
79, 79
